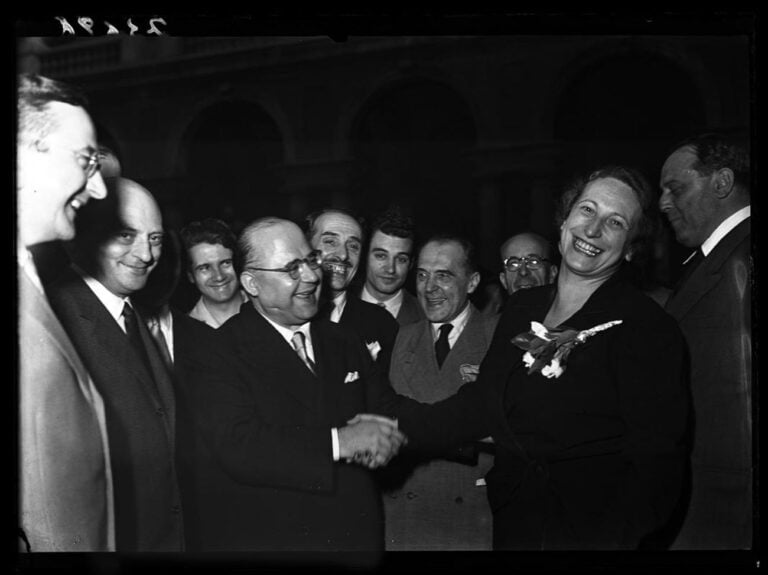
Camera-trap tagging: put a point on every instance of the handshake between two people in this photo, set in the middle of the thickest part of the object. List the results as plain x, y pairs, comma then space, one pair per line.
370, 440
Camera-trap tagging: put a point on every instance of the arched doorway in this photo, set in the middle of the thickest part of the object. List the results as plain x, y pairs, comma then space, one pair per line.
230, 155
410, 141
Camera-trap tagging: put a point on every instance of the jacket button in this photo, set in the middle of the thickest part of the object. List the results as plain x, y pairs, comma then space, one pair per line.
411, 495
459, 499
176, 509
160, 411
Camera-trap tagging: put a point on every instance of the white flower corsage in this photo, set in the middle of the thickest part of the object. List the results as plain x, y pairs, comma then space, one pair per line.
546, 351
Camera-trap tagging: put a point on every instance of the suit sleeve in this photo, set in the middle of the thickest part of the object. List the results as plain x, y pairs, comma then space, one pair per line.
248, 440
442, 427
648, 362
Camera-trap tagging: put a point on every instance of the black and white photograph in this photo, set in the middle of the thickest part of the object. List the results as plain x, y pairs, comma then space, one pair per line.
434, 291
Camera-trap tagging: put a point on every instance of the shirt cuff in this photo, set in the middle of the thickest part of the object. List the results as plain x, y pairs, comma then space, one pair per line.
335, 443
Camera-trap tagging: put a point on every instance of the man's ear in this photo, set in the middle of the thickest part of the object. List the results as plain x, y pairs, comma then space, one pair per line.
724, 180
503, 280
190, 277
474, 281
249, 284
552, 274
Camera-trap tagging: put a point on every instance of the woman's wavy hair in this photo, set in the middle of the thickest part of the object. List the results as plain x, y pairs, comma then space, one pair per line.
647, 225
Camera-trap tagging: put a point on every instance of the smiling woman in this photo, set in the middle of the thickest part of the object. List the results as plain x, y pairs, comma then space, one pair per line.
588, 411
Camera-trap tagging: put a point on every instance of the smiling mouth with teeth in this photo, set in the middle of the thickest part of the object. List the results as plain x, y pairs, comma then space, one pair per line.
586, 248
336, 268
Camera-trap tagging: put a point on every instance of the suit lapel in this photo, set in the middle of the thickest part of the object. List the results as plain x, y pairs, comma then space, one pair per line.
273, 359
101, 328
34, 304
707, 275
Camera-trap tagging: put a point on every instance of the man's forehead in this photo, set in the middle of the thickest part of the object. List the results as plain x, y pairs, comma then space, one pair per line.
443, 255
72, 123
279, 242
383, 241
524, 247
337, 223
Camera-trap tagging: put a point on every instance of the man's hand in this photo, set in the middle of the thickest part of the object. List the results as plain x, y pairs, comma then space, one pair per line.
371, 440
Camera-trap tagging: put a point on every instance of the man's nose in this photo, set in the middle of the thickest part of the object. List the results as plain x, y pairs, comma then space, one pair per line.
142, 250
96, 186
665, 202
307, 274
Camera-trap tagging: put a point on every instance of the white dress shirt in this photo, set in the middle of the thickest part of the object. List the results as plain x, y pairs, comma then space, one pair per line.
459, 323
113, 303
392, 305
338, 306
27, 264
724, 228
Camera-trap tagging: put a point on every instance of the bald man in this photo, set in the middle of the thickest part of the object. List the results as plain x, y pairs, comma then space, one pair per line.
118, 245
527, 262
273, 393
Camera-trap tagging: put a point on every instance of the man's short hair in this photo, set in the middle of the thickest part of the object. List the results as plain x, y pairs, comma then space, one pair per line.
394, 222
311, 220
244, 252
470, 261
34, 94
715, 150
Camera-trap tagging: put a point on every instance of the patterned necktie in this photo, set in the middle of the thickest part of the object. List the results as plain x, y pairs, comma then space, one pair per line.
162, 344
441, 345
298, 344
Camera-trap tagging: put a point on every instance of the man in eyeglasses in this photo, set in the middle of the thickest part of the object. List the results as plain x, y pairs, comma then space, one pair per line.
527, 261
338, 235
273, 393
65, 484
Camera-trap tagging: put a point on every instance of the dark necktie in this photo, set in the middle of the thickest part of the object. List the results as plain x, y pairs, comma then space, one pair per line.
690, 265
298, 344
132, 329
441, 345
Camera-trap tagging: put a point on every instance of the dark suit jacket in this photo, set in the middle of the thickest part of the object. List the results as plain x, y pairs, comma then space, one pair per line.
713, 308
370, 322
410, 310
437, 506
593, 459
267, 480
140, 419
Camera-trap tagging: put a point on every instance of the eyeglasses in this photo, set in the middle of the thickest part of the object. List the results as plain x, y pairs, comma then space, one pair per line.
293, 269
512, 264
90, 163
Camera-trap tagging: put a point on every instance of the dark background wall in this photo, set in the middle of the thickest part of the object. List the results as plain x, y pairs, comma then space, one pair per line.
476, 132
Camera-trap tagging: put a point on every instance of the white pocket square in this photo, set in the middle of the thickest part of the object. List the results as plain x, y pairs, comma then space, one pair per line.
351, 376
373, 348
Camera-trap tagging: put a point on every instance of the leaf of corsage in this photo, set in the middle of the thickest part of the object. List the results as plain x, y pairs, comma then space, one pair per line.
524, 340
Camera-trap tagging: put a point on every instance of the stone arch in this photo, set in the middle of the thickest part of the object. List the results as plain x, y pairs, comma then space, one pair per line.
229, 162
625, 102
411, 142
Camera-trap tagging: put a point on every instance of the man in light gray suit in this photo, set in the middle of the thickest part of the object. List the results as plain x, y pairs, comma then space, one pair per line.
440, 505
65, 481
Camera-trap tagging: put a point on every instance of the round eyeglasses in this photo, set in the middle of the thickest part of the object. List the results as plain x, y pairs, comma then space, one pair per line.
90, 162
512, 263
293, 269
